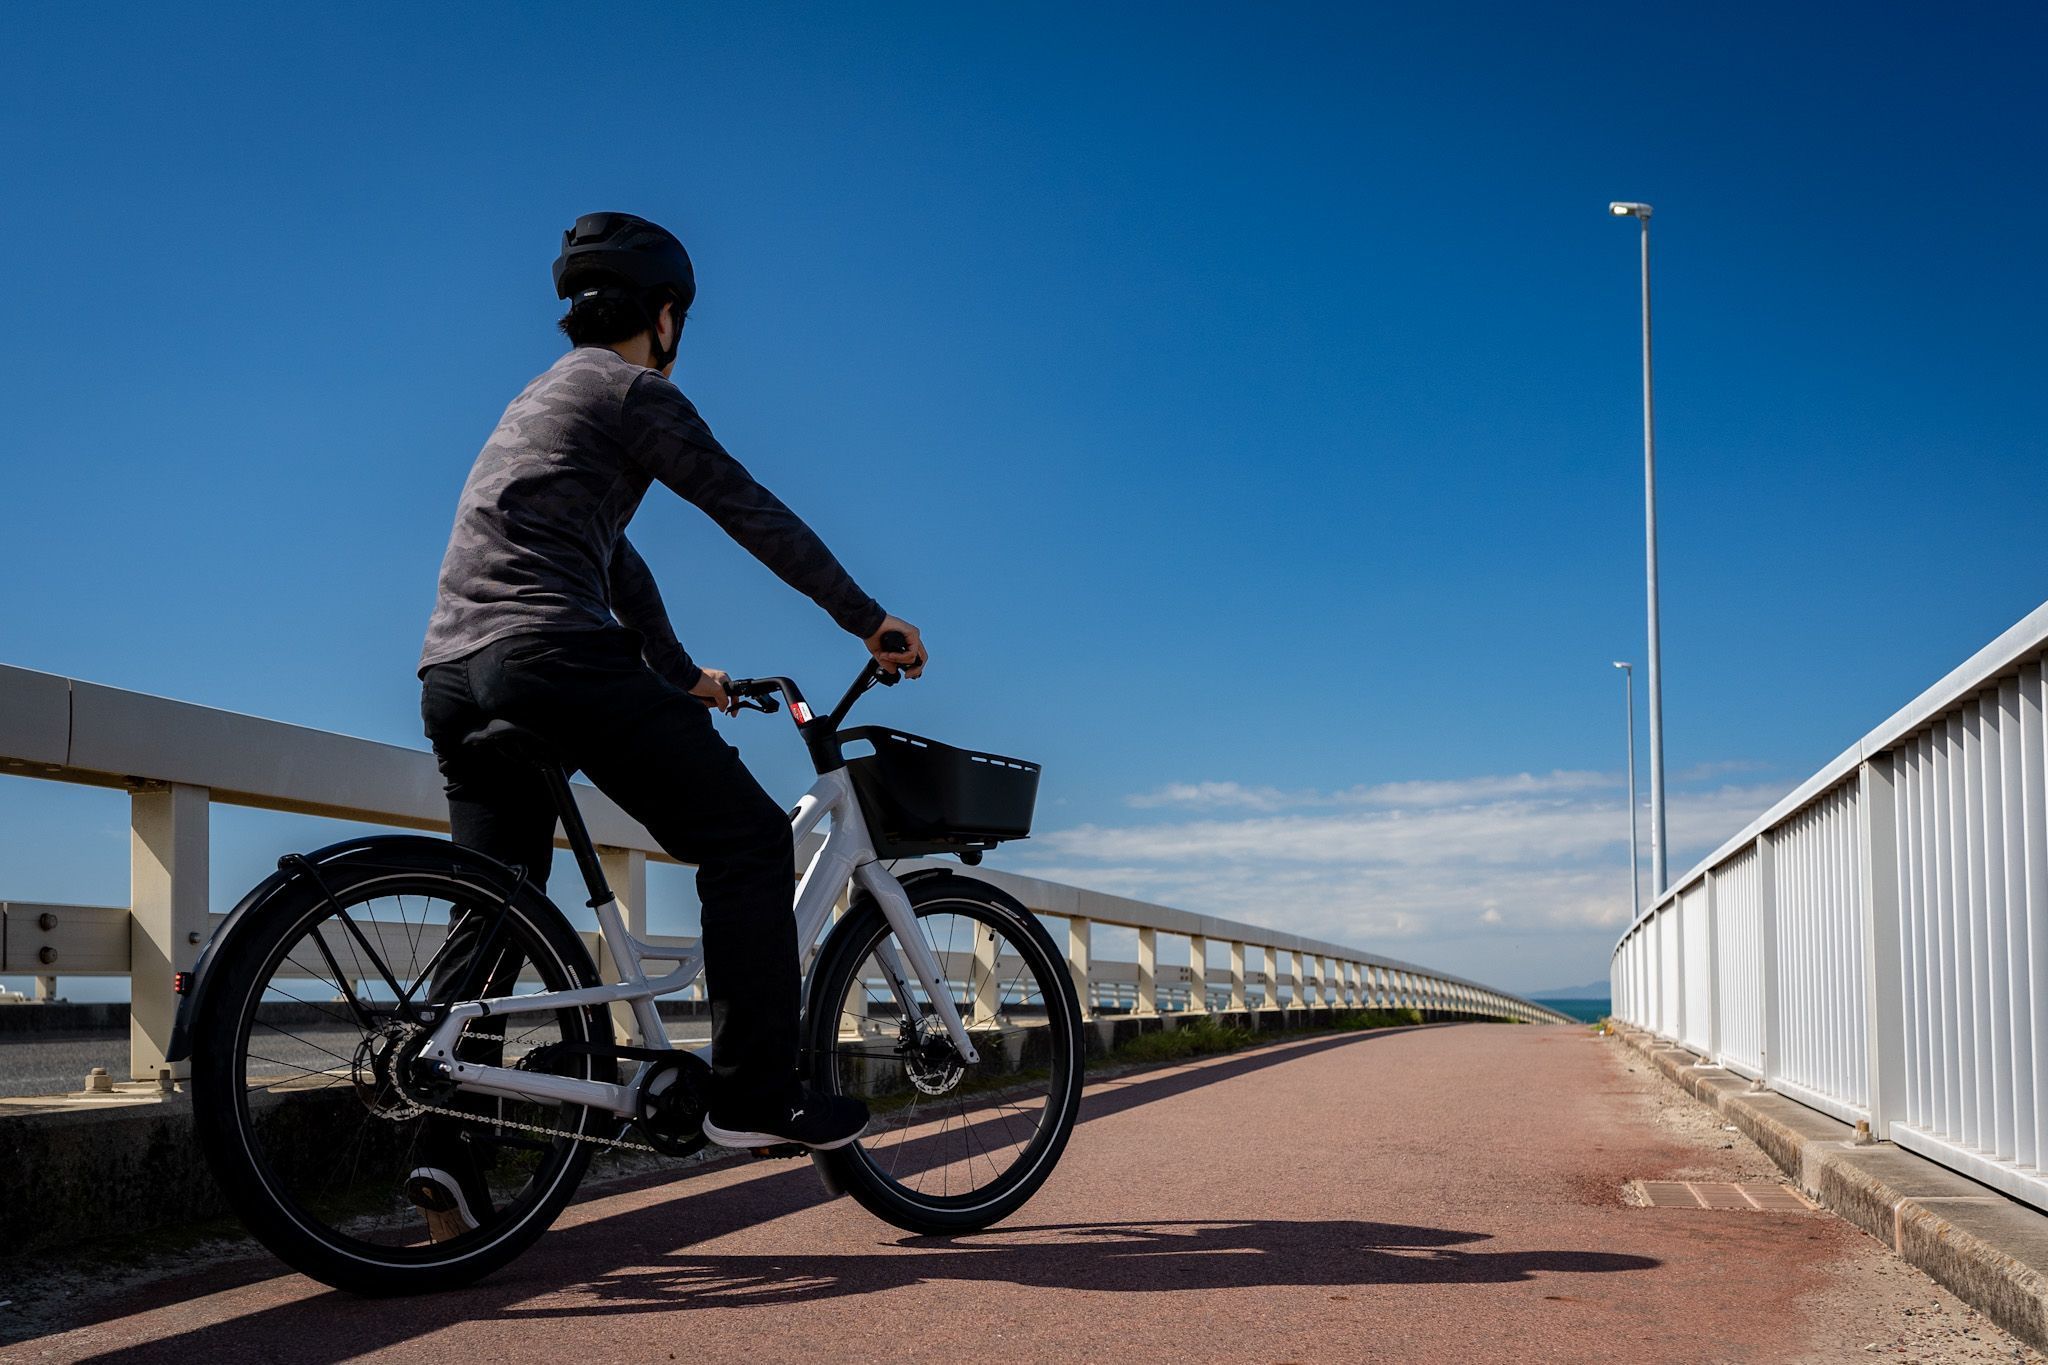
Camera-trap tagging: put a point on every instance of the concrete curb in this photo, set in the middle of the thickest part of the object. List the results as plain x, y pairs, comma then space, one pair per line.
1989, 1251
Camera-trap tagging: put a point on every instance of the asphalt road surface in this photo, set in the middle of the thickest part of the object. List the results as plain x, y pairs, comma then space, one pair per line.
1456, 1193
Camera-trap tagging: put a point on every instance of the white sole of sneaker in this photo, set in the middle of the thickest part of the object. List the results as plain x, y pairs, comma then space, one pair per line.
743, 1140
452, 1218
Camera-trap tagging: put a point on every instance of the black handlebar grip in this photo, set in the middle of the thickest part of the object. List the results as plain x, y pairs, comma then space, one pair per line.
895, 641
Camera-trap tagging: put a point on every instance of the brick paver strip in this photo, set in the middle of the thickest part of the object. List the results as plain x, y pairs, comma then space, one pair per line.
1443, 1194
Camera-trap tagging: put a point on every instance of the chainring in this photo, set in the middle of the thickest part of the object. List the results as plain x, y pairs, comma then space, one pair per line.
671, 1102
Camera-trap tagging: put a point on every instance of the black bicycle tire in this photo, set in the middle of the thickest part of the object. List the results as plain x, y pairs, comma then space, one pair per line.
219, 1114
848, 1168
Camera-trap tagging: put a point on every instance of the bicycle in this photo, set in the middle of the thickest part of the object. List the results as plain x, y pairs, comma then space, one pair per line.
310, 1110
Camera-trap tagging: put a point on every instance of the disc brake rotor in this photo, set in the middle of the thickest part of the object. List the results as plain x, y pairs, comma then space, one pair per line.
930, 1059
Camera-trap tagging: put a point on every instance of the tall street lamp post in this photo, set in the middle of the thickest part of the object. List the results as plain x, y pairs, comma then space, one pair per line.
1658, 878
1635, 859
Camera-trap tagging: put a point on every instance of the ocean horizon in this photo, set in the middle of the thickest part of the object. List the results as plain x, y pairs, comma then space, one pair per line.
1592, 1009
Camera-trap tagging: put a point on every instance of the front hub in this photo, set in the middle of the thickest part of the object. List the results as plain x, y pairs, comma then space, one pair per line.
930, 1059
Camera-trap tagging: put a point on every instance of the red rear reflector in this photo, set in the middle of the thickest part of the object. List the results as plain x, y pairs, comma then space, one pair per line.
181, 982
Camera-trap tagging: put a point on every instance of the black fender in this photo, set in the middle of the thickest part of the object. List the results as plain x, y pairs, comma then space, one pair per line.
394, 851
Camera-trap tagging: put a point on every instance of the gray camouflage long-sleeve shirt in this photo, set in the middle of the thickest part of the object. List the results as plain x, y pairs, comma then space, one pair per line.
540, 533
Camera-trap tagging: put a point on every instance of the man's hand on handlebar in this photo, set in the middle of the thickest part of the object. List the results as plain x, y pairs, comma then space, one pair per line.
897, 646
711, 690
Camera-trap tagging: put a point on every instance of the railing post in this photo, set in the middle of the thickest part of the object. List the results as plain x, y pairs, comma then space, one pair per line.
1883, 986
1237, 1000
1676, 927
1148, 971
1077, 962
1198, 974
1711, 900
46, 989
167, 901
1767, 932
987, 987
625, 869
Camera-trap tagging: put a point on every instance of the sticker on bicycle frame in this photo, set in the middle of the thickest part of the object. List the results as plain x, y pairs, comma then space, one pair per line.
800, 713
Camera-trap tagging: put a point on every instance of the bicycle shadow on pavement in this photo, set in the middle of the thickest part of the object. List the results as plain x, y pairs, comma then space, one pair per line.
1131, 1257
639, 1259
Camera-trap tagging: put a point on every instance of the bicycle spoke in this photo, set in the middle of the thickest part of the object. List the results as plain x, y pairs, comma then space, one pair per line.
342, 1165
953, 1129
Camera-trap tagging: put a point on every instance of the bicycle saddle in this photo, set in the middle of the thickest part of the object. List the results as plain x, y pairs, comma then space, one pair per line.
512, 741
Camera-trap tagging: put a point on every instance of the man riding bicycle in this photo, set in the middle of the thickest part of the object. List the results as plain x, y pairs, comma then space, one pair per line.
547, 617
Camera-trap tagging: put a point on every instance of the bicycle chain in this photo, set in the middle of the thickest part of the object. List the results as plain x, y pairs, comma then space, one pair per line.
467, 1117
419, 1106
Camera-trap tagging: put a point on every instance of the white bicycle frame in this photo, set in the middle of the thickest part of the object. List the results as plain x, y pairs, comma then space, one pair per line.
847, 853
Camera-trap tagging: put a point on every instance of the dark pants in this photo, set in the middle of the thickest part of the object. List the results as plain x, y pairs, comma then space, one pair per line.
652, 748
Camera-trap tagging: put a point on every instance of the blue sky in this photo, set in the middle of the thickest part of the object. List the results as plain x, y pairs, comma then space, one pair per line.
1243, 398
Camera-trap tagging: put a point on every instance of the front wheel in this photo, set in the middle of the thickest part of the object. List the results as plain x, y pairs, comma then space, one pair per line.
954, 1147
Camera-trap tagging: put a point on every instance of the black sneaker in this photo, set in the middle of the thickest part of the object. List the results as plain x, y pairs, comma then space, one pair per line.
819, 1122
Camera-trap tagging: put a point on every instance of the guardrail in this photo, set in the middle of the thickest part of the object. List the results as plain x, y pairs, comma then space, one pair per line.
1876, 944
177, 760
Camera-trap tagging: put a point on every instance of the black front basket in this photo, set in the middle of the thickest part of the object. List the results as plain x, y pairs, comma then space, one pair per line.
922, 797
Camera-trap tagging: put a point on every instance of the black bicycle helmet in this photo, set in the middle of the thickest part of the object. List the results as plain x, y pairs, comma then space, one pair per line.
624, 254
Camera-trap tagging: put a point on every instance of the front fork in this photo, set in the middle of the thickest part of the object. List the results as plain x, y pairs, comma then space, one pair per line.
924, 964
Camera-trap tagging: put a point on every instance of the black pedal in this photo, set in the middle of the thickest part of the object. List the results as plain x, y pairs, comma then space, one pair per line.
779, 1151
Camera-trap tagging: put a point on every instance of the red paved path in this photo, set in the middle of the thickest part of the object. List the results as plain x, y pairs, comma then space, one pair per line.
1447, 1194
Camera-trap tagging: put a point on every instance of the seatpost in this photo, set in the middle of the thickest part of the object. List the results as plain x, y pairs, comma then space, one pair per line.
579, 835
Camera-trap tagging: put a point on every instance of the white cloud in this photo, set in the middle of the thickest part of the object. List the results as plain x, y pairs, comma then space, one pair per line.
1211, 794
1456, 791
1408, 862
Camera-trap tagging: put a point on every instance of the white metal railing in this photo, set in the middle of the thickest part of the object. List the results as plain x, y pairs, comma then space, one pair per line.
176, 760
1876, 944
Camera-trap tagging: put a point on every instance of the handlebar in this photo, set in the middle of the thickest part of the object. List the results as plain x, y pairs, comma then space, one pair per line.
755, 694
758, 694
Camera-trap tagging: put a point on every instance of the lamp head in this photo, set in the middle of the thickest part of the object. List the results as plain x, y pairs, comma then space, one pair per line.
1619, 664
1623, 209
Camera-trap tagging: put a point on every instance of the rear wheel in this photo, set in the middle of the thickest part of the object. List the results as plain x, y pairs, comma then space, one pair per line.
954, 1147
315, 1122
